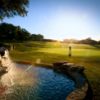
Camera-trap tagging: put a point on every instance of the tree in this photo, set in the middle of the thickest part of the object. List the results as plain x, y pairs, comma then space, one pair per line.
88, 41
9, 32
10, 8
37, 37
99, 42
6, 32
40, 37
22, 34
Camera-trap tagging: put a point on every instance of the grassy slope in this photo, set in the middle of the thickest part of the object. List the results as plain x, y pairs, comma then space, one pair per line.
49, 52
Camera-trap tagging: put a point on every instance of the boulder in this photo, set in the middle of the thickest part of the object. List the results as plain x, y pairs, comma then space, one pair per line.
59, 63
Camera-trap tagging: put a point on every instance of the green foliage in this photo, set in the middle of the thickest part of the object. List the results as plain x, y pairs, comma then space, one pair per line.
10, 8
37, 37
9, 32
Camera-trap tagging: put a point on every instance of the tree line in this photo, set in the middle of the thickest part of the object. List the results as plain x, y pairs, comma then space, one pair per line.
83, 41
11, 33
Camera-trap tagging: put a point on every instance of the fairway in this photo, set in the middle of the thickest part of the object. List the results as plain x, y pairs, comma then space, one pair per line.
49, 52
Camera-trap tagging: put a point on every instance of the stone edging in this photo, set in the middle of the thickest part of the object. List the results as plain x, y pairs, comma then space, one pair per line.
75, 72
78, 94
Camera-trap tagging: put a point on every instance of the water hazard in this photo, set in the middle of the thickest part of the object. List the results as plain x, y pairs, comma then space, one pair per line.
25, 82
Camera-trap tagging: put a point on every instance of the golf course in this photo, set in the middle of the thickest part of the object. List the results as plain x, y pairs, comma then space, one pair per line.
46, 53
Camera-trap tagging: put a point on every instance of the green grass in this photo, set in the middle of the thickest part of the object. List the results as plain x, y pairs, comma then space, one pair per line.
49, 52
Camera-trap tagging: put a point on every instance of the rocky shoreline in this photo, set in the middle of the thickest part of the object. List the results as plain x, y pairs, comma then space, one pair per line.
83, 89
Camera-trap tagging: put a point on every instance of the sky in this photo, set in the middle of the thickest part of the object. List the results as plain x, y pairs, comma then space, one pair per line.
61, 19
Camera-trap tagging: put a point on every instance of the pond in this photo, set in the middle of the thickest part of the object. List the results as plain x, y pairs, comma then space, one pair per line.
26, 82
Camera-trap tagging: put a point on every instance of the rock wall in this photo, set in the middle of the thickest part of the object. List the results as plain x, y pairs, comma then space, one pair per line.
83, 89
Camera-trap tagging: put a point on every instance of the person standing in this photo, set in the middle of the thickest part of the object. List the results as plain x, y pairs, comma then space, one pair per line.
70, 51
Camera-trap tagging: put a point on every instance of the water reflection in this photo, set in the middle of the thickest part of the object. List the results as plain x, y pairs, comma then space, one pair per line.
25, 82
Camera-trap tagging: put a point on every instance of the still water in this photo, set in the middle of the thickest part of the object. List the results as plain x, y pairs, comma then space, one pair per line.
25, 82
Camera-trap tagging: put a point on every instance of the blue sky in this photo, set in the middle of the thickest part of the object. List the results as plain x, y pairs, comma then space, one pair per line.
60, 19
